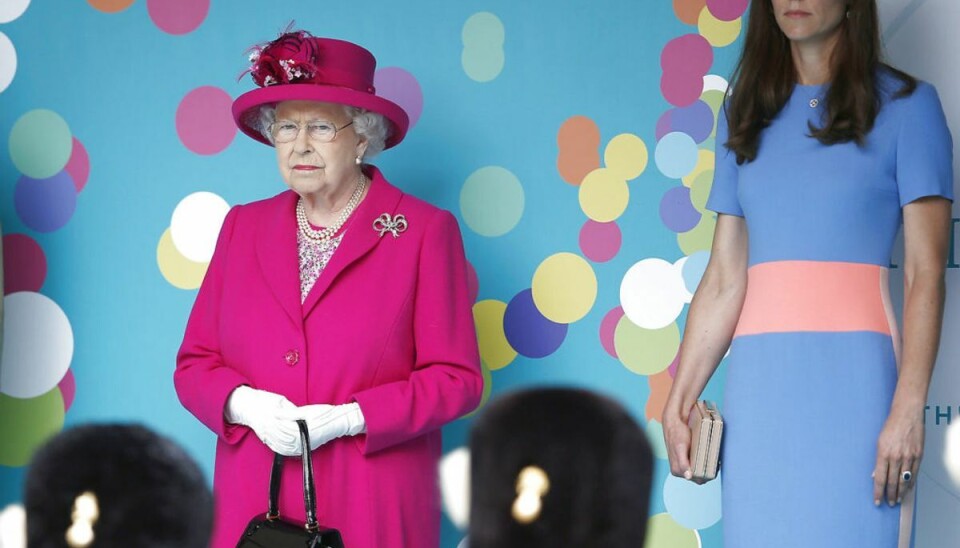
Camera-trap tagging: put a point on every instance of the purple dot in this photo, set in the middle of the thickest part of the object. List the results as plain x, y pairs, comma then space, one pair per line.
402, 88
664, 124
608, 328
68, 389
45, 205
676, 210
696, 120
528, 332
672, 368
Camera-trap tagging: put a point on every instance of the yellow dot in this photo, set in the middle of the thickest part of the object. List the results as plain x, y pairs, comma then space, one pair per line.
700, 238
177, 269
700, 190
718, 33
705, 162
564, 287
495, 350
626, 156
604, 195
487, 388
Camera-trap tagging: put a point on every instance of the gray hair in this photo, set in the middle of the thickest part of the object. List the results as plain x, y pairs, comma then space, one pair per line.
371, 126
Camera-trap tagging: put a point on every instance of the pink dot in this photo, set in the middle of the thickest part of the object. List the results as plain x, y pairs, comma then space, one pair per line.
402, 88
600, 242
681, 89
473, 282
689, 54
68, 389
24, 264
664, 123
672, 368
727, 10
78, 166
178, 16
204, 122
608, 326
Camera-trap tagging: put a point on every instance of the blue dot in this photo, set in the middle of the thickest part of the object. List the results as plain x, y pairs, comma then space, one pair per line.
528, 332
45, 205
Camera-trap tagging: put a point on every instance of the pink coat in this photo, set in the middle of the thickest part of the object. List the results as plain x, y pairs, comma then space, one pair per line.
387, 325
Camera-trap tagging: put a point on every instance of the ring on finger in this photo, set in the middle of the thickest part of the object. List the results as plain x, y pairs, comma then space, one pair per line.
906, 476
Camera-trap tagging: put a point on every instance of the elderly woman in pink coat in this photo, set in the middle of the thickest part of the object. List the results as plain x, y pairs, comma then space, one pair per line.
342, 301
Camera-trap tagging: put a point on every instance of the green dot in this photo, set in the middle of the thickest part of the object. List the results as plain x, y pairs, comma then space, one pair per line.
491, 201
483, 30
714, 98
482, 64
700, 190
25, 424
664, 532
655, 437
40, 144
700, 238
646, 351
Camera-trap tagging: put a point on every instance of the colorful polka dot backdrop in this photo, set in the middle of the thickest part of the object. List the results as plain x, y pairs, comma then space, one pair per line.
573, 142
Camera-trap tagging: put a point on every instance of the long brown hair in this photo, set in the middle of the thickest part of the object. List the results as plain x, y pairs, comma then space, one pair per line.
766, 75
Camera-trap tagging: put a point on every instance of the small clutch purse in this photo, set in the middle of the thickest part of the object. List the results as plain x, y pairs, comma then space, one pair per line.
706, 433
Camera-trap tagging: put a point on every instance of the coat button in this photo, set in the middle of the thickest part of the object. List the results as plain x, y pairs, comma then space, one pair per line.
292, 357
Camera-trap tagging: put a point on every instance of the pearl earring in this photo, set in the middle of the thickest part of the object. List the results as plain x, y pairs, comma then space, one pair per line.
359, 161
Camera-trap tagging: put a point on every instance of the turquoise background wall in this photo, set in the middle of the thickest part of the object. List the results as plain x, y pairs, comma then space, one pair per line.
573, 140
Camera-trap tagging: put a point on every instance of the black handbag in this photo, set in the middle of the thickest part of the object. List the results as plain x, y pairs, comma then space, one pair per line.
272, 532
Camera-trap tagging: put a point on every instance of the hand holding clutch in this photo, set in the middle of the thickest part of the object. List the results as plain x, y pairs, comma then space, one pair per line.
263, 412
706, 433
326, 422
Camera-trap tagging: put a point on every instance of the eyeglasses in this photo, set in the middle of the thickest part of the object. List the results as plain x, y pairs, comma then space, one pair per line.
321, 131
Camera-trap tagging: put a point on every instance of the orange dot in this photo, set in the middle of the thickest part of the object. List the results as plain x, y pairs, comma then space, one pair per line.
579, 144
110, 6
688, 11
659, 390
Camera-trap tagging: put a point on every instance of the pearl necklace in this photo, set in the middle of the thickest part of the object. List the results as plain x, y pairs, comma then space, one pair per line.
327, 233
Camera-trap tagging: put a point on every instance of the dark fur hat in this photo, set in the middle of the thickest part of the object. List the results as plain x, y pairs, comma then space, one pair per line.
150, 493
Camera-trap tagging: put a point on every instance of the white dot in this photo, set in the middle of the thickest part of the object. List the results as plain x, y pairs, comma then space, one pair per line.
38, 345
687, 296
715, 82
12, 9
8, 61
652, 293
196, 224
951, 451
455, 486
13, 526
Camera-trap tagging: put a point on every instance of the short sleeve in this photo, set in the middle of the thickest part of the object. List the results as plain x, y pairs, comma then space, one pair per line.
924, 148
723, 194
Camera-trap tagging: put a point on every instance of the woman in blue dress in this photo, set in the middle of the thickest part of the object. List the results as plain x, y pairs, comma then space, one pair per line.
822, 152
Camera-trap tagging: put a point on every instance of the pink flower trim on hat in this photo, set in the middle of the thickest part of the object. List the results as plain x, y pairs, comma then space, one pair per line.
290, 59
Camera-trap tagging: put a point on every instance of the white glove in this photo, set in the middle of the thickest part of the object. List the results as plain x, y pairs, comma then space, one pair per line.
326, 422
264, 412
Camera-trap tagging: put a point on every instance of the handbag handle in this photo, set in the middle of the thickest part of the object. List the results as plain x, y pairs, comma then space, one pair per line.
309, 491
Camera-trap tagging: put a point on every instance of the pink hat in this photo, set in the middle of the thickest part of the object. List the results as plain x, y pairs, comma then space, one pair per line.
300, 67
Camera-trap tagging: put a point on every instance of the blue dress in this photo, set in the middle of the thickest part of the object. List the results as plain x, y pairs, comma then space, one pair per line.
813, 364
